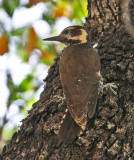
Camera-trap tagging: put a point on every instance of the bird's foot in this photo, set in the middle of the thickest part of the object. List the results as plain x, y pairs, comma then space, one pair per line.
111, 86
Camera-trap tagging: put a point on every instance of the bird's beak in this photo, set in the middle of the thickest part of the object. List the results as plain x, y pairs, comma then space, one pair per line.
55, 38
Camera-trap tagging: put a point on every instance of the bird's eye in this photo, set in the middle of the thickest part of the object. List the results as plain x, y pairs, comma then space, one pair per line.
66, 31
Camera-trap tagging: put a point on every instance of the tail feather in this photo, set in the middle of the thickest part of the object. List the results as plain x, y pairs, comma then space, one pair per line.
69, 130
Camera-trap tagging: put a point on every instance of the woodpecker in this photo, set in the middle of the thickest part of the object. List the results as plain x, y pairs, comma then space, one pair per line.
79, 69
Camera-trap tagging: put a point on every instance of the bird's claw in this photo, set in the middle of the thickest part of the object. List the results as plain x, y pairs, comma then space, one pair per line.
111, 86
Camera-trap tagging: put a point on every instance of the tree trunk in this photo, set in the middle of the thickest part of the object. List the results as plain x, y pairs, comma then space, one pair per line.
109, 135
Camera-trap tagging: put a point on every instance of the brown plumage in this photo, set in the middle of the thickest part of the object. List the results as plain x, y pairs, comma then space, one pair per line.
79, 73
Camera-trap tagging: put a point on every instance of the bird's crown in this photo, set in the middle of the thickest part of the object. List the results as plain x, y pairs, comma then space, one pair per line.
71, 35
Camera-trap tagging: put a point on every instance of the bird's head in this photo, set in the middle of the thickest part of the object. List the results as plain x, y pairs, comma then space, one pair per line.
71, 35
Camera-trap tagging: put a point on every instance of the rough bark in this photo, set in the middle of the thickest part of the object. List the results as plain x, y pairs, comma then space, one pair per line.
110, 133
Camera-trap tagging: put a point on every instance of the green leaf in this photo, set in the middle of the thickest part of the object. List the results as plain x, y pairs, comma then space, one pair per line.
79, 9
23, 54
12, 89
49, 19
26, 84
7, 134
10, 5
23, 111
51, 49
19, 31
46, 62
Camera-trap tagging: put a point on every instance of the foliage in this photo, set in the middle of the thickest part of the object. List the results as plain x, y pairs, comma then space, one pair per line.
27, 44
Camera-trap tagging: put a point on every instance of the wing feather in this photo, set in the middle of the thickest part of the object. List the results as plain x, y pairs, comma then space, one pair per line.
79, 67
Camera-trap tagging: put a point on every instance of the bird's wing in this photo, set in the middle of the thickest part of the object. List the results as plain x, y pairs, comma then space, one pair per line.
79, 69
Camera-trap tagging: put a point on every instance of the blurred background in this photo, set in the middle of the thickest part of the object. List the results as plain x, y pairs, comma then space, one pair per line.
24, 57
